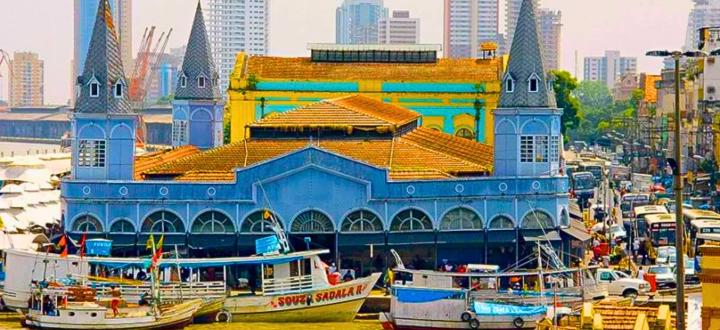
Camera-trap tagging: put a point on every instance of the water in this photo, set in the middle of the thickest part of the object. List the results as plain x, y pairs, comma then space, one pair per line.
12, 321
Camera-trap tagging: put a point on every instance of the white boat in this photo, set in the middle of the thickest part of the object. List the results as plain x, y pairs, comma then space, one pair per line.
296, 286
90, 314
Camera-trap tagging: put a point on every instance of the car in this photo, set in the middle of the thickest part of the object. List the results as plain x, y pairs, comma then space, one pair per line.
691, 276
664, 276
664, 253
617, 231
621, 284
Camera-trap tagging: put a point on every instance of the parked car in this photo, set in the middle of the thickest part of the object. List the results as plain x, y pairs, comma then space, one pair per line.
621, 284
617, 231
664, 253
664, 276
691, 276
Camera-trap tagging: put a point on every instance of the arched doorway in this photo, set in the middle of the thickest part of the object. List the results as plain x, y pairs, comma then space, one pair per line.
212, 234
124, 237
256, 225
163, 223
502, 241
361, 242
461, 237
412, 235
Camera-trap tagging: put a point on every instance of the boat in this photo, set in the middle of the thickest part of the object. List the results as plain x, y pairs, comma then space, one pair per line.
485, 299
76, 308
296, 285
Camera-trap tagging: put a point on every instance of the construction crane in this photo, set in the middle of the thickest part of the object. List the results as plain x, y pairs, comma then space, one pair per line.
5, 58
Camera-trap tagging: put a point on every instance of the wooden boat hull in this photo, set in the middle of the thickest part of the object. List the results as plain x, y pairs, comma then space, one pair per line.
339, 303
176, 317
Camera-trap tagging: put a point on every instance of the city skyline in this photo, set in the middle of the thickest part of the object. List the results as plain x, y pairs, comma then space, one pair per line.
657, 24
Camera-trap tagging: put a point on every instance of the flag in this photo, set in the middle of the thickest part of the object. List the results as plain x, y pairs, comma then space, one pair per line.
83, 240
63, 244
266, 215
64, 252
150, 245
2, 223
157, 254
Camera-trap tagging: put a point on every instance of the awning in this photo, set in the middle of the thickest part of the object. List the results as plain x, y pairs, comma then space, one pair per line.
537, 235
502, 236
577, 231
411, 238
461, 237
361, 239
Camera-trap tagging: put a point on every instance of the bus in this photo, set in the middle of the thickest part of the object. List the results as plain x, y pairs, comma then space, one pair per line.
630, 201
594, 168
638, 225
661, 229
584, 185
702, 231
692, 215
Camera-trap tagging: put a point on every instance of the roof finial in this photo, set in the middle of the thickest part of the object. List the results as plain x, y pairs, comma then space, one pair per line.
201, 78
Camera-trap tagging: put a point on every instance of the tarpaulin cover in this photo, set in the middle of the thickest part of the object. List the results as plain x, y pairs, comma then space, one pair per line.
491, 309
198, 263
407, 295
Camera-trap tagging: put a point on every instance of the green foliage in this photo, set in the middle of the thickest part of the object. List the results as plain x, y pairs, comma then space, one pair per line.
564, 84
252, 81
166, 99
226, 132
594, 94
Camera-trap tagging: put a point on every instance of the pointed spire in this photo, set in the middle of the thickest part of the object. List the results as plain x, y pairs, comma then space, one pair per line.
198, 79
525, 83
103, 70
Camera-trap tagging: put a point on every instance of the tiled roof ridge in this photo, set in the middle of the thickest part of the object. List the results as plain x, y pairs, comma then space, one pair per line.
462, 160
421, 132
157, 169
343, 102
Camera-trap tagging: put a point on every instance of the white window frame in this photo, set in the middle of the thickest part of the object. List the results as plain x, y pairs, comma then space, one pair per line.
509, 84
542, 149
92, 153
554, 148
183, 81
180, 131
536, 78
535, 148
96, 86
117, 85
202, 79
527, 151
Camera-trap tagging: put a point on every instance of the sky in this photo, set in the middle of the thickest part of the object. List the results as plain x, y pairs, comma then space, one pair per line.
589, 27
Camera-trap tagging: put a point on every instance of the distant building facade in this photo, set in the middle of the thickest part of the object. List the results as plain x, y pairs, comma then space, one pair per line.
233, 27
468, 24
27, 84
550, 30
356, 21
608, 68
445, 91
705, 13
512, 10
84, 20
399, 29
624, 87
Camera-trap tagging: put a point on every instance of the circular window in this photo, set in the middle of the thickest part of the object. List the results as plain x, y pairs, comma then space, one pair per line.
459, 188
410, 190
123, 191
211, 191
536, 185
503, 186
86, 190
93, 314
71, 313
163, 191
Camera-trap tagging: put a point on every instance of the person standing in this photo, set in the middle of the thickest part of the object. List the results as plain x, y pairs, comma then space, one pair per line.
115, 302
636, 249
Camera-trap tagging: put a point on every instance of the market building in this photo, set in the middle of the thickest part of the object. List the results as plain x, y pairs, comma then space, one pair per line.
350, 173
452, 95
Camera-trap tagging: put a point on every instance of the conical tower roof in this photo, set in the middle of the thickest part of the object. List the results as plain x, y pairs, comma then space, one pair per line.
526, 63
198, 62
104, 67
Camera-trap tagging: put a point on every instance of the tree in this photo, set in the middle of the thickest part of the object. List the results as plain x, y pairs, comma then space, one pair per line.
564, 84
594, 94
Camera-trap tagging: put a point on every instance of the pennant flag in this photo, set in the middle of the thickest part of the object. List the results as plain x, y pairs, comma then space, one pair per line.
159, 249
2, 223
62, 242
266, 215
83, 240
150, 245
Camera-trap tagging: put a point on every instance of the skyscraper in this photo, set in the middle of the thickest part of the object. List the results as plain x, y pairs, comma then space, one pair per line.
705, 13
468, 23
85, 13
512, 10
609, 68
26, 86
235, 26
399, 29
356, 21
550, 28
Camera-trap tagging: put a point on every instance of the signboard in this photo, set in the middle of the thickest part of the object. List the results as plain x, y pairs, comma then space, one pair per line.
267, 245
98, 247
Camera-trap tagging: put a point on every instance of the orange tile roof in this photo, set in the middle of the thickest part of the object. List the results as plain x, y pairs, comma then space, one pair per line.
343, 112
150, 160
412, 156
445, 69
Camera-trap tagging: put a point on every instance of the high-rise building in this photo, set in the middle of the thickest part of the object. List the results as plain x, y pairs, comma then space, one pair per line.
609, 68
85, 13
236, 26
26, 86
512, 10
469, 23
399, 29
705, 13
550, 30
356, 21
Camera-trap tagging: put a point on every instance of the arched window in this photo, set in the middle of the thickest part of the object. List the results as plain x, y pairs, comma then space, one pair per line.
201, 82
312, 222
461, 219
533, 83
122, 226
87, 224
163, 222
118, 90
537, 220
212, 222
509, 85
183, 81
94, 89
256, 223
465, 134
361, 221
411, 220
501, 222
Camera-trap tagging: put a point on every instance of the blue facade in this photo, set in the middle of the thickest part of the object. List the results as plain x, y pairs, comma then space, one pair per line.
103, 146
167, 76
198, 123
